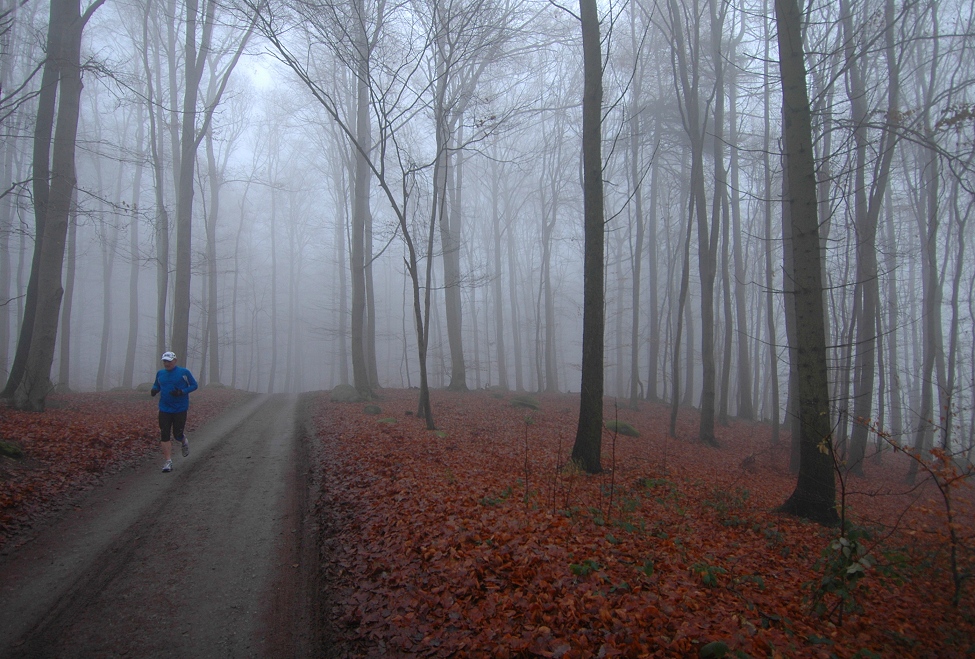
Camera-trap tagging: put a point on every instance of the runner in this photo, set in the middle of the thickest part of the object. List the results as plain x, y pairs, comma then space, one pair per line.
175, 384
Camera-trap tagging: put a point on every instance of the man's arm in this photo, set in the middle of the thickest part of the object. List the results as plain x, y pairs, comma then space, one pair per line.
190, 382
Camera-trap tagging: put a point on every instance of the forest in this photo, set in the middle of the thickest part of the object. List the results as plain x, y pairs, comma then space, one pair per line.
753, 214
294, 196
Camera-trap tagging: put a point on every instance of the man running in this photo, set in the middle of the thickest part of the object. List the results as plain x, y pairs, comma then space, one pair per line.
175, 384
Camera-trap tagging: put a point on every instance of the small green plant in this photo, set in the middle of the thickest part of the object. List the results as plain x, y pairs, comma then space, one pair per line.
585, 568
390, 420
752, 578
734, 520
724, 501
622, 427
494, 501
844, 564
773, 536
630, 527
708, 573
371, 409
647, 568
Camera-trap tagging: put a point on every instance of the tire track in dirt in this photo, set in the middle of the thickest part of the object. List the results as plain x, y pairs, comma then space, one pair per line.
217, 558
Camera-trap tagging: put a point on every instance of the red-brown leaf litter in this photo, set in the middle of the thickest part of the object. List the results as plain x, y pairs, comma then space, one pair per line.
477, 540
480, 539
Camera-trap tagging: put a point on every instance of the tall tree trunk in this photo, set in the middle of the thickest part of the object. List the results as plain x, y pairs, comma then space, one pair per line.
681, 302
6, 257
360, 212
654, 341
791, 331
728, 335
892, 312
719, 209
498, 284
514, 295
636, 185
588, 442
341, 276
128, 370
41, 184
194, 59
928, 225
372, 365
867, 274
272, 370
450, 232
189, 142
109, 246
960, 219
153, 71
814, 496
36, 381
549, 189
215, 176
688, 72
746, 406
771, 336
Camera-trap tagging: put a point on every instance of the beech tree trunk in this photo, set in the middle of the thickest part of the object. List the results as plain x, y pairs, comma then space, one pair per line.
814, 496
41, 186
64, 41
360, 212
588, 442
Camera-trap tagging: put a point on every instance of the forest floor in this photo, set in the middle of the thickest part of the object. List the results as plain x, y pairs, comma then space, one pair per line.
478, 539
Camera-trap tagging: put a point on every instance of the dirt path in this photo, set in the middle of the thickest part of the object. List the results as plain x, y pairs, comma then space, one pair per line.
217, 558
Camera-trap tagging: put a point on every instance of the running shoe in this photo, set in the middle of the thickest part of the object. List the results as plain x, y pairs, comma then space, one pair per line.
186, 446
168, 466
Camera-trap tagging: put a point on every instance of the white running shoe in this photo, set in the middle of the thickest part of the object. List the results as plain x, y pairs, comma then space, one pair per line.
167, 466
186, 446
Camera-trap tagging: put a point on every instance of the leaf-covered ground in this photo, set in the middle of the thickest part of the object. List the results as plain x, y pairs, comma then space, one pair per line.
475, 540
79, 439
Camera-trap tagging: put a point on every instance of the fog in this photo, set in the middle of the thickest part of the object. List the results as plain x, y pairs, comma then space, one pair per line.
468, 149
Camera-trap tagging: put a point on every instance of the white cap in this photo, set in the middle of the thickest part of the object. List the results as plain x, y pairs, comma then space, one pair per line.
169, 356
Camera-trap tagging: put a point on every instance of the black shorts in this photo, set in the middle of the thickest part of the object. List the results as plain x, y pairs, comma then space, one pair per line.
173, 422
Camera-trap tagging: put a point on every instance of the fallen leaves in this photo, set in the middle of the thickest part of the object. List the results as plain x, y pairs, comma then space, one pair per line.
435, 546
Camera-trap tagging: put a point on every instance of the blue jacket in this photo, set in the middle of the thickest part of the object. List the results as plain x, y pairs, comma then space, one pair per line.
169, 381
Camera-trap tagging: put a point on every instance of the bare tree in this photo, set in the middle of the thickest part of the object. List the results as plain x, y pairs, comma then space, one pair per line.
685, 28
195, 56
814, 495
588, 442
62, 77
